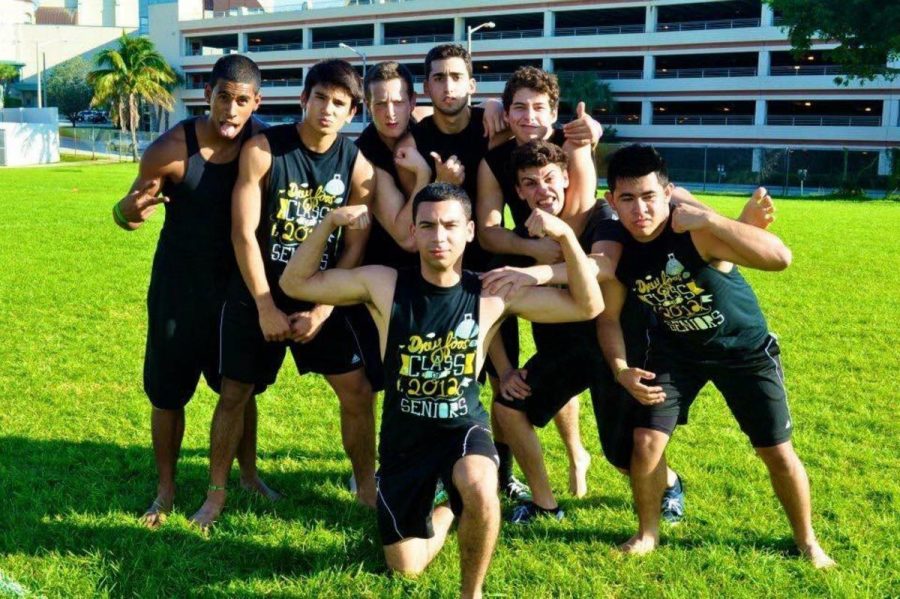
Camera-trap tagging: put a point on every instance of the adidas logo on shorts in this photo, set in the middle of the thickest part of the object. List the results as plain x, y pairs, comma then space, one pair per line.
355, 359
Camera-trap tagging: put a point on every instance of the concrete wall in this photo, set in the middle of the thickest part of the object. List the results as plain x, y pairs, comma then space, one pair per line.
22, 144
48, 116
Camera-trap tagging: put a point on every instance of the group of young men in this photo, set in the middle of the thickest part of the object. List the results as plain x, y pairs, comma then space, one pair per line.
351, 256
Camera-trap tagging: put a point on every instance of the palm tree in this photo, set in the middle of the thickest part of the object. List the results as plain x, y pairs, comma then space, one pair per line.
125, 75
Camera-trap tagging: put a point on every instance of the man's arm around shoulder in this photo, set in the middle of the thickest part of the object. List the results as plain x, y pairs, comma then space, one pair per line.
581, 300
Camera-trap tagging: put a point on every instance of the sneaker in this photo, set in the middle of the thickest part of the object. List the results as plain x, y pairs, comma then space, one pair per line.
440, 494
526, 512
515, 490
672, 509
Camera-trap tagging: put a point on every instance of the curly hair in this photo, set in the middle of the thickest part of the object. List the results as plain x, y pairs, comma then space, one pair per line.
535, 79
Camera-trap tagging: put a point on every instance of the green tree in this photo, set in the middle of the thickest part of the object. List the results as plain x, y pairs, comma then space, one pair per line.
67, 87
8, 73
585, 87
868, 33
133, 72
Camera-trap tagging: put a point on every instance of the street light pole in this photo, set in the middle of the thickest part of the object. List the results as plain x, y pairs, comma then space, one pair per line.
365, 120
40, 71
470, 30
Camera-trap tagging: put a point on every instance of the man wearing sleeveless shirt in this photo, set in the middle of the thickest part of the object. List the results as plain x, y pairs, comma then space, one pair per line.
680, 263
290, 178
530, 102
387, 143
434, 325
193, 166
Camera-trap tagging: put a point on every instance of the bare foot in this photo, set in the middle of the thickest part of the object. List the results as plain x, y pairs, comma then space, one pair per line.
578, 474
156, 514
759, 211
365, 495
209, 511
639, 544
258, 486
817, 556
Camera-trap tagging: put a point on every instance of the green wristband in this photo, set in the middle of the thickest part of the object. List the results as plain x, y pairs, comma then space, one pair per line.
215, 488
619, 371
118, 216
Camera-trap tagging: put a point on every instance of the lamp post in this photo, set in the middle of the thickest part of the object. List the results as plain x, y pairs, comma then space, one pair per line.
38, 67
365, 120
470, 30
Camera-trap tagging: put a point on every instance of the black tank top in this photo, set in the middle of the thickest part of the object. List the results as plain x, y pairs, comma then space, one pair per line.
381, 248
430, 362
470, 146
702, 313
303, 187
497, 160
198, 218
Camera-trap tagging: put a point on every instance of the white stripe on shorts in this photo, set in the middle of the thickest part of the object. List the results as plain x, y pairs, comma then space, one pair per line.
387, 507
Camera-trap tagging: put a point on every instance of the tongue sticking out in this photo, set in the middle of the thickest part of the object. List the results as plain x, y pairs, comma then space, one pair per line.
227, 130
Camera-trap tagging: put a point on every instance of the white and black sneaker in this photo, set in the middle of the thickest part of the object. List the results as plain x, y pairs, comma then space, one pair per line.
515, 490
525, 513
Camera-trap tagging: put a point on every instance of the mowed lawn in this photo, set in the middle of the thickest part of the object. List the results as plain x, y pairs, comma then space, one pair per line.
76, 468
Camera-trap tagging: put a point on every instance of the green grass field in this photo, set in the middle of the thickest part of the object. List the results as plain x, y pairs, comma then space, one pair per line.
76, 468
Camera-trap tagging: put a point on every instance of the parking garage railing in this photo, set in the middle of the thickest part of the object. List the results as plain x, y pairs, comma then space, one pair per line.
418, 39
702, 119
601, 30
275, 47
789, 120
706, 25
805, 70
703, 73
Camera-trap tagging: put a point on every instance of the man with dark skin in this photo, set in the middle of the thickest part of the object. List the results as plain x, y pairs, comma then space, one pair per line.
290, 177
434, 324
191, 169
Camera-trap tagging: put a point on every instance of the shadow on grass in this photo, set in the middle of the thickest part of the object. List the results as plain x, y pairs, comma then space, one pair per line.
84, 498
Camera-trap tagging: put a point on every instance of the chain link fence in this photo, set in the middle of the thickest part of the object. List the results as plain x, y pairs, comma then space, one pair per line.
784, 171
103, 142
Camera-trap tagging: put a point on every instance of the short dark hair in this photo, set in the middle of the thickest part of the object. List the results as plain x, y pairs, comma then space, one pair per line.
388, 71
237, 69
334, 73
442, 192
445, 51
536, 152
633, 162
533, 78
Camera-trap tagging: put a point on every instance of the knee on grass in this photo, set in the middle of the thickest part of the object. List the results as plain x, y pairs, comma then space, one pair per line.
408, 564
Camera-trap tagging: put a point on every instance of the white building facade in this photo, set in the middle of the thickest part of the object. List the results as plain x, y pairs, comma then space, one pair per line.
713, 84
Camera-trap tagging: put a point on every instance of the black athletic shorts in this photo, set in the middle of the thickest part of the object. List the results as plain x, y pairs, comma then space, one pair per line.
614, 411
247, 357
567, 362
753, 389
406, 482
367, 336
183, 306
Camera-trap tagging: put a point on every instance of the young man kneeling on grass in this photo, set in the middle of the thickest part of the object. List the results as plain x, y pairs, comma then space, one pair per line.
433, 324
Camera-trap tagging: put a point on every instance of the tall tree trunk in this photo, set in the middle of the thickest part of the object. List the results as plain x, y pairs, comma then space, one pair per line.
132, 125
